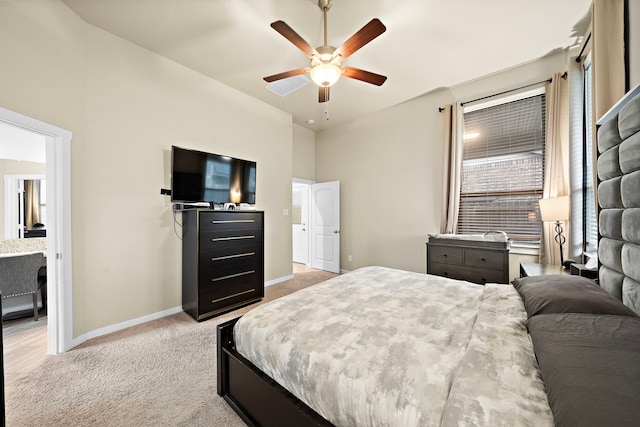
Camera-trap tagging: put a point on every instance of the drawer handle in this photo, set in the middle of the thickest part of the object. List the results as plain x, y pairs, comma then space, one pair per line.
222, 239
220, 258
233, 221
231, 296
233, 275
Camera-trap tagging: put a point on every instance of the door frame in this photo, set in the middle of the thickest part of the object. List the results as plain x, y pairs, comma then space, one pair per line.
310, 223
59, 255
307, 184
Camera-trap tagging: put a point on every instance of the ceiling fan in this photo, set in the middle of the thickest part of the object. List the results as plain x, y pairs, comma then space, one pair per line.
326, 61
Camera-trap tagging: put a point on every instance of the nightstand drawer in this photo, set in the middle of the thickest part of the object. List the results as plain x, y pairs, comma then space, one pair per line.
445, 254
483, 258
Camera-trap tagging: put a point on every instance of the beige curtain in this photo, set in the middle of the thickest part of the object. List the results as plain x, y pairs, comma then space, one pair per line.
607, 54
556, 168
31, 203
608, 64
453, 131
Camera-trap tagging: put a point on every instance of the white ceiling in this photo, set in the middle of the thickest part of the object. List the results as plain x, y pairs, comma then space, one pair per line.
429, 44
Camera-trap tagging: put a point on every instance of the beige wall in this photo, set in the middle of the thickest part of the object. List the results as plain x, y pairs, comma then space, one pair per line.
391, 170
14, 167
304, 153
126, 106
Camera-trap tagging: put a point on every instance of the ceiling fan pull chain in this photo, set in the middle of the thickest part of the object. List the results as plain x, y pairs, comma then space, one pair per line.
326, 104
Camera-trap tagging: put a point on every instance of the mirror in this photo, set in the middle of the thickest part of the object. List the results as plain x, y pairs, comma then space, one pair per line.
34, 211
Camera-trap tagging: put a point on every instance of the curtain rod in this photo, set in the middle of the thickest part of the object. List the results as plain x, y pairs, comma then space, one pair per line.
549, 80
584, 46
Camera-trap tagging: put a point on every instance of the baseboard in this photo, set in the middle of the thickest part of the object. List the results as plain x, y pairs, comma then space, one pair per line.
123, 325
278, 280
134, 322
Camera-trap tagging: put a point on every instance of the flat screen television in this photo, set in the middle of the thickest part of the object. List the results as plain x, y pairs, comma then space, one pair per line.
197, 176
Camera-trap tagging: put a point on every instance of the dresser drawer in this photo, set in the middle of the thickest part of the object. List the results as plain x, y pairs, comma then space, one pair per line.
220, 221
445, 254
483, 258
215, 270
229, 238
220, 253
470, 274
225, 299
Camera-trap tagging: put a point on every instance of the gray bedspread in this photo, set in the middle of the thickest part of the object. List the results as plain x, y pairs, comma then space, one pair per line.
384, 347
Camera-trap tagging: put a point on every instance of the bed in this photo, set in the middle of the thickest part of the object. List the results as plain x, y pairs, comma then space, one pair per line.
379, 346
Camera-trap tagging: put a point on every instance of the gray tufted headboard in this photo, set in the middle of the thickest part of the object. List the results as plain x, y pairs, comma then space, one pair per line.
619, 199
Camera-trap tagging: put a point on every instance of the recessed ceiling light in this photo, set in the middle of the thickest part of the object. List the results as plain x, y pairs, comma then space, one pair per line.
310, 121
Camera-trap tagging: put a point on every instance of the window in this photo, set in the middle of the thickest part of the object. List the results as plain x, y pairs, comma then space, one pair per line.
590, 223
503, 168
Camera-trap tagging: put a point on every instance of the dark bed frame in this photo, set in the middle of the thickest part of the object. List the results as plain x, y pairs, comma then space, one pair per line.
259, 400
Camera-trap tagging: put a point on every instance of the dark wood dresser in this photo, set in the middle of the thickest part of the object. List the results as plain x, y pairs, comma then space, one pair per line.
474, 261
222, 260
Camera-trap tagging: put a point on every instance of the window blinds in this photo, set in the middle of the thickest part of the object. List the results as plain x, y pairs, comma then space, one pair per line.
589, 208
503, 169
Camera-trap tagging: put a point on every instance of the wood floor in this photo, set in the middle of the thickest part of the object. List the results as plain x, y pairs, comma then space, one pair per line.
25, 344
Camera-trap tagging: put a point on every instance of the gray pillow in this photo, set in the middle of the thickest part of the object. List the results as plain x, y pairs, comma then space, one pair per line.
558, 293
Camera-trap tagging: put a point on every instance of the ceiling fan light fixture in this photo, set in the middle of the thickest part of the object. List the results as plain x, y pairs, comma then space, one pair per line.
325, 75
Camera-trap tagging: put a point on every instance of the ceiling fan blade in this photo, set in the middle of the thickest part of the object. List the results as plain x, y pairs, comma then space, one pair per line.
365, 76
286, 74
323, 94
367, 33
293, 37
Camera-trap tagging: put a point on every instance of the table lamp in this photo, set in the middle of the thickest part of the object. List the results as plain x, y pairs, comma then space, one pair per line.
556, 209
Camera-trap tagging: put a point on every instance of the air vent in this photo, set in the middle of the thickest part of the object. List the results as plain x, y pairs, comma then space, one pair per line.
286, 86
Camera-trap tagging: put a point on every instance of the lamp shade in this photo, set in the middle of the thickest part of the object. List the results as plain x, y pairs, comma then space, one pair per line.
325, 74
555, 208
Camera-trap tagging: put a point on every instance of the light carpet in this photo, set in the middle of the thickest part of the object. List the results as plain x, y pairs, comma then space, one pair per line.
161, 373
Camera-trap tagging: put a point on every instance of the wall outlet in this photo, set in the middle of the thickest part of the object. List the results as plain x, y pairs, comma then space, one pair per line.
285, 212
349, 258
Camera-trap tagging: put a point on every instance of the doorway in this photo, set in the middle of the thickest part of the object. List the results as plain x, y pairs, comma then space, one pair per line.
316, 224
25, 216
300, 220
57, 143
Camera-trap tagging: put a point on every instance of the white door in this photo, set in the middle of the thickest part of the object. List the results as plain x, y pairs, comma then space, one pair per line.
300, 220
325, 226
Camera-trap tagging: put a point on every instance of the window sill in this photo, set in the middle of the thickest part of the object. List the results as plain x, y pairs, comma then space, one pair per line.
520, 248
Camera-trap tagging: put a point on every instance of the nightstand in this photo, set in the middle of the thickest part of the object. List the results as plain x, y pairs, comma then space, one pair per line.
528, 269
